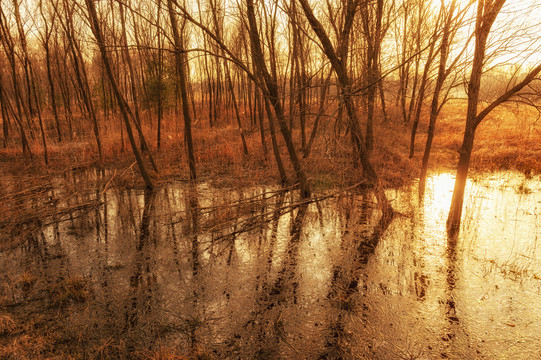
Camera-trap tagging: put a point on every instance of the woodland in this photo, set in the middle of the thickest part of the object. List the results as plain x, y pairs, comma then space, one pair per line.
318, 97
110, 77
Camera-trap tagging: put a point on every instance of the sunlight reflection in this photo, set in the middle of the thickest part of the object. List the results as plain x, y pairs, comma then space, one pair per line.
438, 198
435, 206
238, 272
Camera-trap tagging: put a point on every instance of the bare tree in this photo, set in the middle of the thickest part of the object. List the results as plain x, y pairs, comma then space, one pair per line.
322, 104
418, 104
339, 64
9, 48
30, 79
451, 23
271, 90
487, 11
181, 73
373, 31
218, 28
124, 108
66, 21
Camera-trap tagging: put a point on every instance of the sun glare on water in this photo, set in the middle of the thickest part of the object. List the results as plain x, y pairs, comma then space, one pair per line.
440, 192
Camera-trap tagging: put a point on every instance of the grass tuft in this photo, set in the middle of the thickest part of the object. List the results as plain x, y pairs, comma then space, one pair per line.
70, 290
7, 324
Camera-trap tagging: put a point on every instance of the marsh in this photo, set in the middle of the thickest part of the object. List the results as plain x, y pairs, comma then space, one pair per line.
258, 273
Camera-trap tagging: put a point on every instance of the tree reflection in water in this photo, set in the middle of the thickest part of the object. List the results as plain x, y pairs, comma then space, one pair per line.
255, 274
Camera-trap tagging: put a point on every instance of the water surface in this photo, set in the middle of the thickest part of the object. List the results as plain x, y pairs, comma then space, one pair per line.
253, 273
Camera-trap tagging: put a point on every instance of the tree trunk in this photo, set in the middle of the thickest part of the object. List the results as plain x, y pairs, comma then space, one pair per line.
345, 86
486, 14
434, 107
26, 59
260, 115
179, 60
46, 41
337, 60
372, 23
123, 106
80, 72
9, 48
218, 30
160, 78
274, 98
422, 89
322, 102
52, 93
274, 141
137, 119
455, 212
4, 112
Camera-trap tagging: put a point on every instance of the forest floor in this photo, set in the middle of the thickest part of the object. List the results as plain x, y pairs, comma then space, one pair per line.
509, 139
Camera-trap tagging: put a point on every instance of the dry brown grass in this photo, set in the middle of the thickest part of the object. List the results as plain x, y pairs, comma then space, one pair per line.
70, 290
509, 139
27, 347
32, 327
163, 352
7, 324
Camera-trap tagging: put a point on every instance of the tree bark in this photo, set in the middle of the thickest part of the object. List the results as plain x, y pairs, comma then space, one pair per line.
487, 12
179, 61
120, 99
137, 118
273, 97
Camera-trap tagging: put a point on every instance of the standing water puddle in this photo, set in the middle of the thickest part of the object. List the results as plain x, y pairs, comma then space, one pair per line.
251, 274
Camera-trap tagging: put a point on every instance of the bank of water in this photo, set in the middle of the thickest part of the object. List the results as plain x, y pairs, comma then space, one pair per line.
252, 273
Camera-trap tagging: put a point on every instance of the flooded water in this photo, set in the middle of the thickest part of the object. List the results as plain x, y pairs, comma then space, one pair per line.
251, 273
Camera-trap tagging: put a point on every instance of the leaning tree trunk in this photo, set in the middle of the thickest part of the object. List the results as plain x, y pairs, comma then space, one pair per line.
271, 92
137, 119
120, 99
481, 32
340, 69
